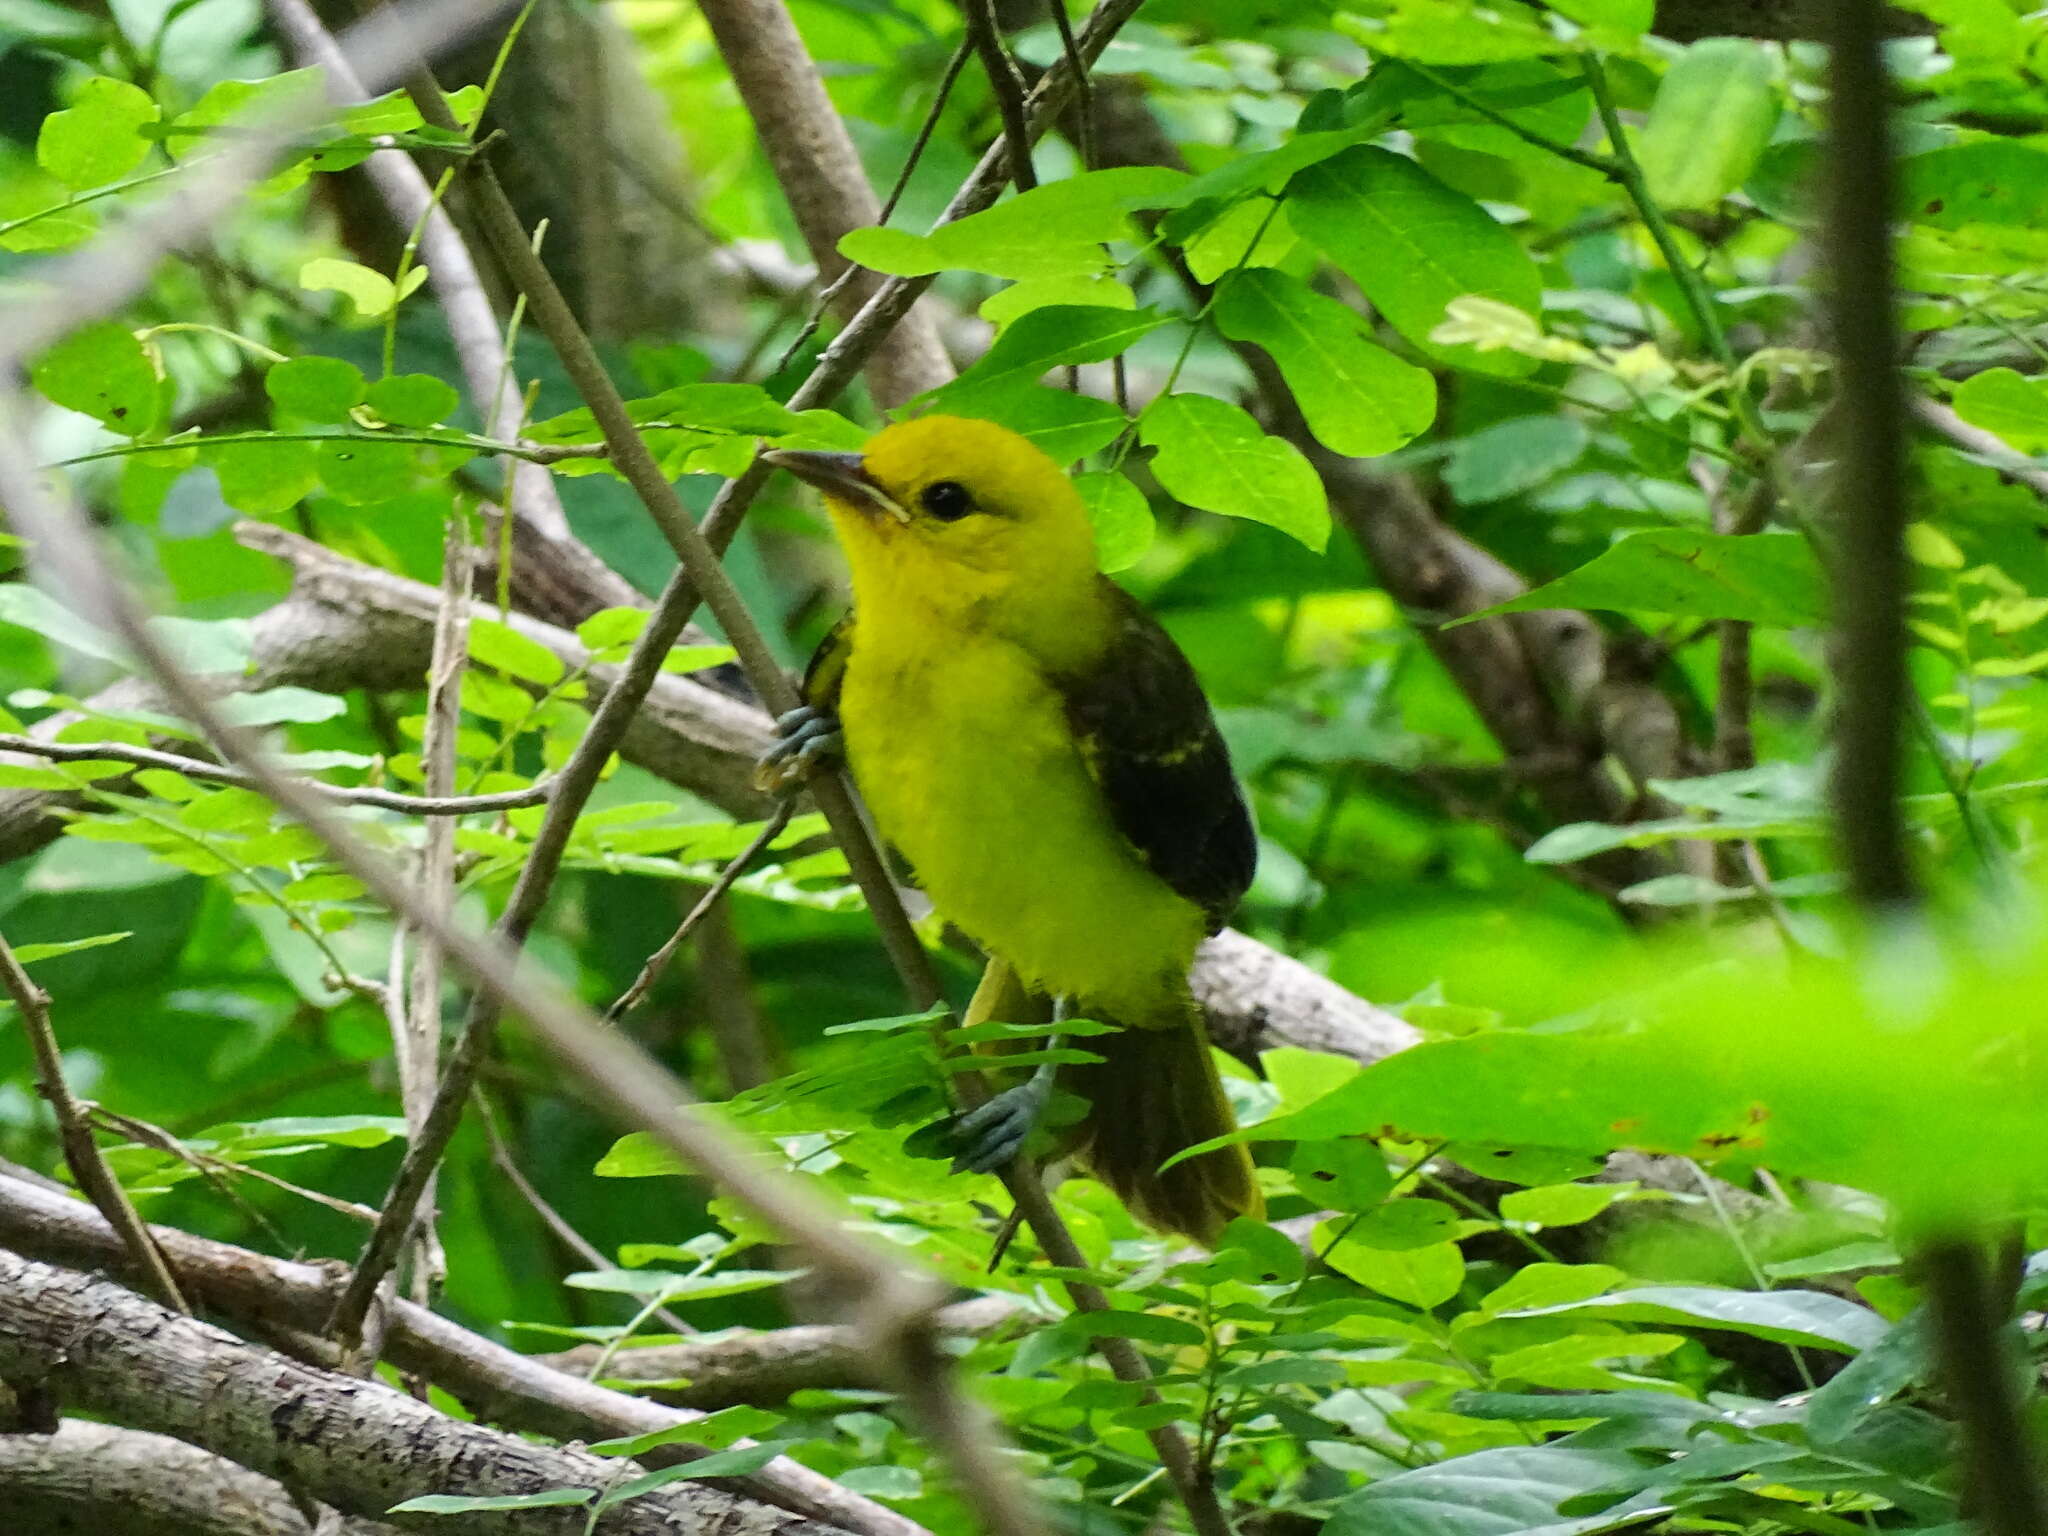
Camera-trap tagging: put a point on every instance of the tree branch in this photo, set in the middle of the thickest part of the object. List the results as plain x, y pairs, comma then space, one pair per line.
501, 1385
90, 1476
820, 174
356, 1445
89, 1169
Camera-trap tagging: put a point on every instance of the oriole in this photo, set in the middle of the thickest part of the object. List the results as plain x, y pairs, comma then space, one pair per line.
1039, 750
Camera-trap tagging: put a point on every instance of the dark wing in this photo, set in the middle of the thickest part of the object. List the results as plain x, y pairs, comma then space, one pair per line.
827, 669
1151, 743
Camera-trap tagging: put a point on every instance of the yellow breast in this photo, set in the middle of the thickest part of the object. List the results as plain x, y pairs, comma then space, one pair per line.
963, 753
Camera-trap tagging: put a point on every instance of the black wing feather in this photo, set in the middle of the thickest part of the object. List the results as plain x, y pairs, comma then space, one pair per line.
1145, 728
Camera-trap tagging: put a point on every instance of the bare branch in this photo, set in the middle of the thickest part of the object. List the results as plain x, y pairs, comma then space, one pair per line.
765, 1366
820, 174
1004, 85
218, 773
81, 1153
356, 1445
517, 1391
451, 271
658, 961
90, 1476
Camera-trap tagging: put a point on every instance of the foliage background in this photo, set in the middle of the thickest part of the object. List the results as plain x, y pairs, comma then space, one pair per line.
1359, 321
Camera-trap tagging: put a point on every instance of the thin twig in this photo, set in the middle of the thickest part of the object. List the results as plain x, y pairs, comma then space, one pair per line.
1004, 85
89, 1169
535, 793
1869, 479
1607, 165
451, 272
658, 961
417, 1037
1699, 299
552, 1219
925, 129
1084, 98
1735, 684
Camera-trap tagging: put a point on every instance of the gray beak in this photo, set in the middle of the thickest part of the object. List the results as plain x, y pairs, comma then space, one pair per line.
839, 475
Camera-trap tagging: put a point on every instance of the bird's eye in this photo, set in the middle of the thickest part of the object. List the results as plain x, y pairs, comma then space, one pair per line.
947, 500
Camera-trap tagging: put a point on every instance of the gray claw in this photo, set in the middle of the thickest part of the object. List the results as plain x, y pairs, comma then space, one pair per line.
806, 736
993, 1134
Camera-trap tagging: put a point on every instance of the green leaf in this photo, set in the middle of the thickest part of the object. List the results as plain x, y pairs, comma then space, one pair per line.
316, 388
95, 139
365, 472
1561, 1205
2008, 404
739, 1461
1413, 245
1421, 1277
264, 478
1506, 1491
278, 706
1766, 578
464, 1504
374, 294
1349, 1175
499, 645
103, 371
28, 954
1067, 426
674, 1287
413, 400
33, 608
1785, 1317
1051, 338
1212, 455
1511, 457
1358, 398
1055, 230
884, 1482
1147, 1327
716, 1430
1990, 181
613, 628
1545, 1285
1121, 517
1414, 1222
1713, 114
1019, 299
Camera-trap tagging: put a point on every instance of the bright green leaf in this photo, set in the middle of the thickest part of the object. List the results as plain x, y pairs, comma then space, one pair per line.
412, 400
103, 371
95, 139
1713, 114
1212, 455
1413, 245
1512, 456
1358, 398
316, 388
1121, 518
2011, 405
1766, 578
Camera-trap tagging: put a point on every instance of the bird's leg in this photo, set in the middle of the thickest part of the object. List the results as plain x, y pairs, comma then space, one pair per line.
804, 738
993, 1134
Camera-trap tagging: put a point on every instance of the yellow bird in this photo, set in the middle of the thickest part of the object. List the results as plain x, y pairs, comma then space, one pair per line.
1039, 750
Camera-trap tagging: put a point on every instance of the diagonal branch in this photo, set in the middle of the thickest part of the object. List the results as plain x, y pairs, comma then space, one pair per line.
356, 1445
515, 1391
81, 1153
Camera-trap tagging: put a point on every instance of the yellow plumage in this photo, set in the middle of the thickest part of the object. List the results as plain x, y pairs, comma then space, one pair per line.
973, 631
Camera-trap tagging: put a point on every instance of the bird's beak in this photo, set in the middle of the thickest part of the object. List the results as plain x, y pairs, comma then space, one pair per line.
841, 476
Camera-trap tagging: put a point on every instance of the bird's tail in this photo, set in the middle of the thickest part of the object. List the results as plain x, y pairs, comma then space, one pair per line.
1154, 1093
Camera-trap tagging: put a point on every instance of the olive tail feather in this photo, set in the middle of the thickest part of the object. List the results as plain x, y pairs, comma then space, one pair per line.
1156, 1093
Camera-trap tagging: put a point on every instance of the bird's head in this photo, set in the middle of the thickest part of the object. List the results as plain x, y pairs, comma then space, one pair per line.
959, 516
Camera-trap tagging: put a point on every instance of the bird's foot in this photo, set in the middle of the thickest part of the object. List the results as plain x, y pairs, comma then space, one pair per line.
992, 1135
805, 738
